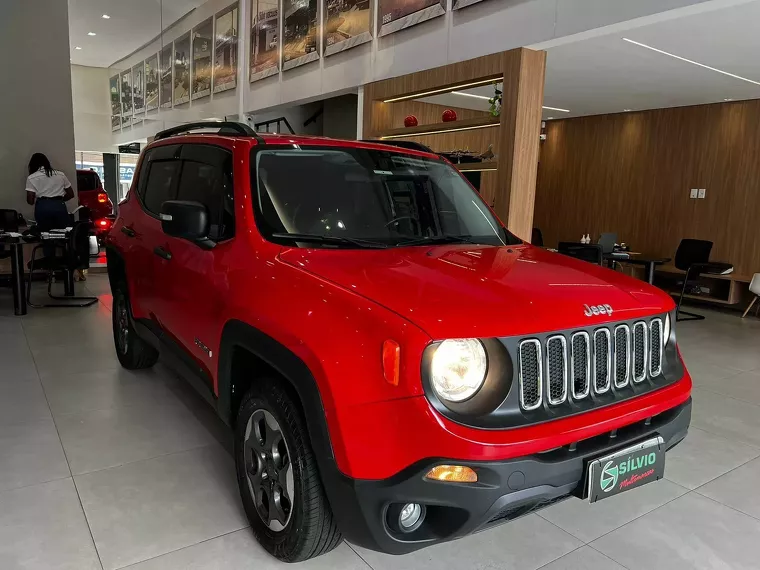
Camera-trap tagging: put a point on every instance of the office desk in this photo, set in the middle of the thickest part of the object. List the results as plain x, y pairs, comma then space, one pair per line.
649, 263
16, 246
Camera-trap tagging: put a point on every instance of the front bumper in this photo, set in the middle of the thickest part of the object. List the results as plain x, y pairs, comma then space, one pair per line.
505, 489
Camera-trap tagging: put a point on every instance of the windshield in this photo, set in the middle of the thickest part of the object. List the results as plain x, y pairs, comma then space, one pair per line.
356, 197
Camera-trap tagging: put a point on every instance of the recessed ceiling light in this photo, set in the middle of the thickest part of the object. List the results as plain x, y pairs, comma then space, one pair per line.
77, 47
692, 61
91, 34
627, 110
470, 95
728, 99
106, 17
556, 109
549, 118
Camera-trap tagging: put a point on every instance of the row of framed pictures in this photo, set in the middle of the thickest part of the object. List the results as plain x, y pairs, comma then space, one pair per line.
204, 60
207, 54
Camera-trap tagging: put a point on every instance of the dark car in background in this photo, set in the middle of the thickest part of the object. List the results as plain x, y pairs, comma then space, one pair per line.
94, 197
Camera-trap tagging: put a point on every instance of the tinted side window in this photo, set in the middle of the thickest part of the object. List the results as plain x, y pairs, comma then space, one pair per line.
160, 185
210, 183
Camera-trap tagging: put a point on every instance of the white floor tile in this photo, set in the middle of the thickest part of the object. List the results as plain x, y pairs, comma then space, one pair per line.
726, 416
23, 401
146, 509
703, 456
737, 489
588, 521
690, 533
240, 551
30, 453
585, 558
115, 436
42, 527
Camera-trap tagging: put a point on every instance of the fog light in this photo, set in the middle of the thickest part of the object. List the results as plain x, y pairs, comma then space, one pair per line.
410, 517
453, 474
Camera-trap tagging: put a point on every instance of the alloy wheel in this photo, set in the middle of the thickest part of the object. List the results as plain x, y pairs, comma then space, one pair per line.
269, 470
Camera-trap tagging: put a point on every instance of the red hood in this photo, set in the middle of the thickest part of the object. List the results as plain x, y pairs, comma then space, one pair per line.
483, 291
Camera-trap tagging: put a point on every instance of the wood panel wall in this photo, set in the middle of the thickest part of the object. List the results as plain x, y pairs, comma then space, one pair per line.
631, 174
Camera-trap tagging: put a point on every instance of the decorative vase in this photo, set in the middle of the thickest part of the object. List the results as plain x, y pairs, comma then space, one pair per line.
449, 115
410, 121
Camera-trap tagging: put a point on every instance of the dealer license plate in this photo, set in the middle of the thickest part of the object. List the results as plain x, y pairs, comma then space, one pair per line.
626, 469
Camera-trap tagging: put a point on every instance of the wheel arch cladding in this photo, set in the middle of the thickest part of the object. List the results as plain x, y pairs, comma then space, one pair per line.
270, 356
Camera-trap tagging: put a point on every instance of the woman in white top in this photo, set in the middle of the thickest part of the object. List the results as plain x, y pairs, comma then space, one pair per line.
47, 190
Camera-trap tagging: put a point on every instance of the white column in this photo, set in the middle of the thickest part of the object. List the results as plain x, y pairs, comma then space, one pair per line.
36, 97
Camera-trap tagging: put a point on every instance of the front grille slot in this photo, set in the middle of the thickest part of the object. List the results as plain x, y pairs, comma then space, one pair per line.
530, 374
639, 352
581, 364
601, 361
622, 358
655, 347
556, 369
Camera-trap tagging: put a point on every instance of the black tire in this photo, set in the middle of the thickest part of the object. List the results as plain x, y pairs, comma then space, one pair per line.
310, 529
133, 352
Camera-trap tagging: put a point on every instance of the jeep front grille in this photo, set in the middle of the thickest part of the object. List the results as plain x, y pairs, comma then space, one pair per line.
530, 374
572, 366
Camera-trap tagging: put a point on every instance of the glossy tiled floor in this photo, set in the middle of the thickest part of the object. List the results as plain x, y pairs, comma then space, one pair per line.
104, 468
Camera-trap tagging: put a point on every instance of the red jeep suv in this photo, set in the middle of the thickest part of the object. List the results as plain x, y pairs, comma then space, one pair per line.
398, 368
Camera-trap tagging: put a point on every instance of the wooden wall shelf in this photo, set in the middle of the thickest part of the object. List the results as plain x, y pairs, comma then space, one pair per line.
477, 166
435, 128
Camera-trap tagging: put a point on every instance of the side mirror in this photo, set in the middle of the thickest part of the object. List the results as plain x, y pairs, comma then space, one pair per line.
185, 220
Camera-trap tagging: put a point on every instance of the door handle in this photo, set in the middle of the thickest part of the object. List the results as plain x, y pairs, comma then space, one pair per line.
161, 252
127, 231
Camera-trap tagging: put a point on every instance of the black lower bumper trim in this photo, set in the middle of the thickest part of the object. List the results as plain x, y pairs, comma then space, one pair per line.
505, 490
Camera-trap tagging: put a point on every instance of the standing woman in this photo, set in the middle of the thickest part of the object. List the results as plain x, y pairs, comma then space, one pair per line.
48, 190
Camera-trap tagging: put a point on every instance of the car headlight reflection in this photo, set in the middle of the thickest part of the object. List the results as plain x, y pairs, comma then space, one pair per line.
458, 369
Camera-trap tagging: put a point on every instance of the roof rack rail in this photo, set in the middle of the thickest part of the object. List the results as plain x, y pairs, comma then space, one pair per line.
402, 144
225, 128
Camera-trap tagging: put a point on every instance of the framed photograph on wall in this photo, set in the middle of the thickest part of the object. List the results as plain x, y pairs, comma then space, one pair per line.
299, 29
138, 92
126, 98
151, 83
166, 87
395, 15
226, 49
265, 45
347, 23
113, 87
203, 50
182, 70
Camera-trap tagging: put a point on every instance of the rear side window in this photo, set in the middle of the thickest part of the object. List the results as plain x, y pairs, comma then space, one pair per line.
160, 184
87, 181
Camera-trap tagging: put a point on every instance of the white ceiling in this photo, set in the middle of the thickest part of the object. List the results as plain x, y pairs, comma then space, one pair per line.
132, 24
606, 74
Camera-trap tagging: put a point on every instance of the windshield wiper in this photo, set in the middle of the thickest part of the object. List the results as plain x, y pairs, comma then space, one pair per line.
436, 240
337, 240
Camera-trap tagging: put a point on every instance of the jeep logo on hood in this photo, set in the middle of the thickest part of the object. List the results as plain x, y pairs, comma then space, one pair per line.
597, 310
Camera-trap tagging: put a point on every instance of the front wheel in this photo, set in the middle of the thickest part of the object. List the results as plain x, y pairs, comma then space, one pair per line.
278, 478
132, 351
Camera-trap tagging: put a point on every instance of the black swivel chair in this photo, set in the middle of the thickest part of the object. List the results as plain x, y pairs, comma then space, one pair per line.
76, 255
591, 252
537, 238
693, 257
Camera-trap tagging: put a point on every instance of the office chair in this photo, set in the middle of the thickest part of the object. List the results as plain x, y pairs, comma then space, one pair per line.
76, 255
693, 257
608, 241
9, 222
754, 287
591, 252
537, 238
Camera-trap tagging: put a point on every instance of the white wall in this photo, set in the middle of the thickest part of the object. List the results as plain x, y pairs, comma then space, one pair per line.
488, 27
36, 94
92, 109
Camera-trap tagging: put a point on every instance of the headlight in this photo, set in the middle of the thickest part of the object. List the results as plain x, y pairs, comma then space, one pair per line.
458, 369
666, 331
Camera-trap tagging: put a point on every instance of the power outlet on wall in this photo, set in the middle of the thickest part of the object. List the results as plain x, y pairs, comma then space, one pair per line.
694, 193
701, 193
